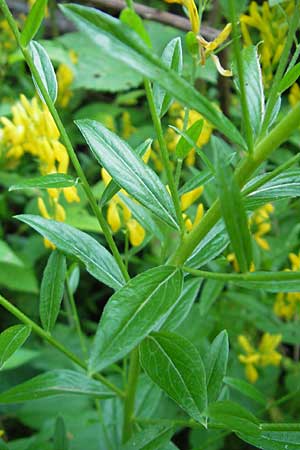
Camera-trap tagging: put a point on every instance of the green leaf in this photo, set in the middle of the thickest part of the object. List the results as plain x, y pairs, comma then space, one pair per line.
3, 446
133, 20
133, 312
254, 88
209, 294
7, 256
55, 382
113, 188
233, 211
120, 42
174, 364
273, 440
60, 438
19, 279
289, 78
216, 365
11, 340
44, 66
128, 170
51, 181
186, 300
285, 185
52, 289
150, 438
184, 147
172, 58
234, 417
246, 389
33, 21
97, 260
210, 247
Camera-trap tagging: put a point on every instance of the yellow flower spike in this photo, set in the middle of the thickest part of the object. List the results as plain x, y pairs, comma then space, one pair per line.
60, 213
295, 261
113, 216
136, 232
65, 77
267, 346
42, 208
192, 11
71, 194
54, 193
294, 94
105, 176
219, 40
199, 214
190, 197
251, 373
245, 344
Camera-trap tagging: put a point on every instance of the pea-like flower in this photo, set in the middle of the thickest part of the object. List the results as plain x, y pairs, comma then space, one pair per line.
192, 12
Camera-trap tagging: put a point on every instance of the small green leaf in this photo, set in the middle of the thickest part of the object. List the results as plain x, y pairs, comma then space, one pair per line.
134, 311
120, 43
172, 57
33, 21
55, 382
97, 260
44, 66
289, 78
234, 417
128, 170
184, 147
186, 300
11, 340
174, 364
209, 294
273, 440
113, 188
233, 211
246, 389
52, 289
51, 181
133, 20
216, 365
60, 438
150, 438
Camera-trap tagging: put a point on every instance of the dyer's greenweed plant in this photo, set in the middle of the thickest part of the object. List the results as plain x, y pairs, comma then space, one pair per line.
139, 352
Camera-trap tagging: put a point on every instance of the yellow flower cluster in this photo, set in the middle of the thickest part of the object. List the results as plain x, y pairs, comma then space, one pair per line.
264, 355
287, 304
33, 131
260, 225
176, 114
192, 12
65, 77
294, 94
272, 25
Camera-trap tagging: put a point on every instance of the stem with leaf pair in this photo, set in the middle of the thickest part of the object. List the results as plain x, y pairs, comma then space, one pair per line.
66, 140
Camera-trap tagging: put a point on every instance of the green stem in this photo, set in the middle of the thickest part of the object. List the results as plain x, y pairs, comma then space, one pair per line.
66, 140
248, 166
54, 343
76, 318
280, 427
164, 152
273, 96
134, 368
130, 4
241, 77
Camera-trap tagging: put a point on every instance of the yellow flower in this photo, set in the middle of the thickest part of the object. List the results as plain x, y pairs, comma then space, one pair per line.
260, 223
264, 355
287, 304
206, 49
188, 199
272, 25
65, 77
294, 94
127, 128
118, 215
57, 213
192, 11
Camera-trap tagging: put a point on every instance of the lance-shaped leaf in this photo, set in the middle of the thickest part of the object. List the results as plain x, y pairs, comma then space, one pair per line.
174, 364
209, 294
172, 57
246, 389
234, 417
216, 365
55, 382
44, 66
150, 438
60, 438
254, 88
133, 312
183, 306
113, 188
11, 340
51, 181
128, 170
97, 260
121, 43
52, 289
210, 247
184, 146
233, 211
289, 78
273, 440
33, 21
